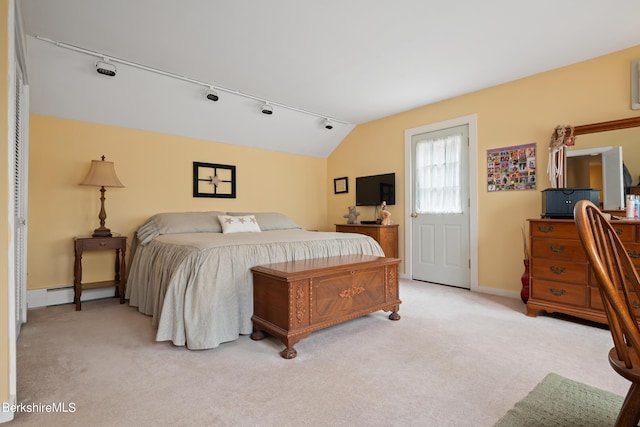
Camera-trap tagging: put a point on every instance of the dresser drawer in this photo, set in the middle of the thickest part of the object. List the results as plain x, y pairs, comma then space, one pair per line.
595, 300
371, 232
563, 270
597, 304
626, 232
558, 249
555, 230
559, 292
633, 249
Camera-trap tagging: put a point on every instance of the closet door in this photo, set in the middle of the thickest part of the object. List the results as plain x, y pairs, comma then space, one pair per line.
19, 177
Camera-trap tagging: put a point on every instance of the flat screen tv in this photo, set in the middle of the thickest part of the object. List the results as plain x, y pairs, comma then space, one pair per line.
373, 190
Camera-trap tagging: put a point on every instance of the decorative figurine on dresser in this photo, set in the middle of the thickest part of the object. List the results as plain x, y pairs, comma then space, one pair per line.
385, 215
352, 215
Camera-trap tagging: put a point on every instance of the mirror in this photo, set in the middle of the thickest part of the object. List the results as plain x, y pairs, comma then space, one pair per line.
598, 141
600, 168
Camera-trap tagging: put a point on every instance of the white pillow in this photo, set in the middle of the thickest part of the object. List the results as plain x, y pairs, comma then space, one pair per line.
270, 220
239, 224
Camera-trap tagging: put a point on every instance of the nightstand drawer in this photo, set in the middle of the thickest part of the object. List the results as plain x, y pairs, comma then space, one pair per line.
97, 243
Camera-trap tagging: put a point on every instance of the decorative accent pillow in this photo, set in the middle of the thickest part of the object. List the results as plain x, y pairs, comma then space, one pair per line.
179, 222
270, 220
239, 224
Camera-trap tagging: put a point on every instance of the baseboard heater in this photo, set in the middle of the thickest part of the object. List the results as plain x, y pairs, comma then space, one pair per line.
58, 296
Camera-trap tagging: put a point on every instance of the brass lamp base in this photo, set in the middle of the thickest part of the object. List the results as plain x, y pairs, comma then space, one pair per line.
101, 232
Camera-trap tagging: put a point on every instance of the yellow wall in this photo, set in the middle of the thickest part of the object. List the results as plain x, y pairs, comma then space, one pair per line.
5, 236
156, 170
519, 112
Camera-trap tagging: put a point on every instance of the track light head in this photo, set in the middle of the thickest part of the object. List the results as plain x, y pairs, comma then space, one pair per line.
106, 68
267, 109
328, 124
211, 95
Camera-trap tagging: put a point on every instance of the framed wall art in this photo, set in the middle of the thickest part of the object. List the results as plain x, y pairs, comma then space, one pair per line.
214, 180
511, 168
341, 185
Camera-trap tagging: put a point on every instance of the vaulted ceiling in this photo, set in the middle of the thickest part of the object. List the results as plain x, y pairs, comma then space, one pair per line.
350, 60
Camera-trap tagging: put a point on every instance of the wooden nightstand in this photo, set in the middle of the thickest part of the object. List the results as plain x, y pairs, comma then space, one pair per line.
82, 244
385, 235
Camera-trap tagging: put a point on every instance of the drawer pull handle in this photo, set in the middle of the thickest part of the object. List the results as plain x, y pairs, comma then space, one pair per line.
557, 292
545, 228
619, 231
557, 270
635, 304
102, 244
634, 254
558, 248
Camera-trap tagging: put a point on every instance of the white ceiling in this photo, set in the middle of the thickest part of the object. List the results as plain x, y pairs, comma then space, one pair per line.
353, 60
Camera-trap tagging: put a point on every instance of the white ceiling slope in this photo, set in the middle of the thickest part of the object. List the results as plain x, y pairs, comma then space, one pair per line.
353, 60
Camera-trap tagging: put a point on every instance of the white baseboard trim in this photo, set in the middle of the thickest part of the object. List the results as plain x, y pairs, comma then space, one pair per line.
56, 296
499, 292
480, 289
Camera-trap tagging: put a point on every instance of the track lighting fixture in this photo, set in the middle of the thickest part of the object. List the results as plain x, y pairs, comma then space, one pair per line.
105, 67
211, 95
267, 109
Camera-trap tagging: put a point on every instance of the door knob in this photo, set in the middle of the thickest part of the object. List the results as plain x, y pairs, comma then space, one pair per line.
414, 215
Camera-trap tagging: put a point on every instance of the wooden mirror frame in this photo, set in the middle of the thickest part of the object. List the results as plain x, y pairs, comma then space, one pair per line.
605, 126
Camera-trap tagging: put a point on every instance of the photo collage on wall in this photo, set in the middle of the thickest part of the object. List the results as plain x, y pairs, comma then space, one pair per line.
512, 168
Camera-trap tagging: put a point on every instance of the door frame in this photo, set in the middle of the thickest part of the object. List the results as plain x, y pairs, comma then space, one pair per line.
471, 122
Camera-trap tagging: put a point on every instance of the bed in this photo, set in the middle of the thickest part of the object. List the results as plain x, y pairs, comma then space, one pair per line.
191, 271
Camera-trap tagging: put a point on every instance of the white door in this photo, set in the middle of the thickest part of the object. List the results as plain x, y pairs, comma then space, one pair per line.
612, 179
440, 213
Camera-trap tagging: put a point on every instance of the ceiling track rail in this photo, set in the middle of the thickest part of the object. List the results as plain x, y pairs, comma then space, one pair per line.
188, 79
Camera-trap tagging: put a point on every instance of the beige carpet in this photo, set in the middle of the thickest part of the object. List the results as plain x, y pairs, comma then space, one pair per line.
455, 358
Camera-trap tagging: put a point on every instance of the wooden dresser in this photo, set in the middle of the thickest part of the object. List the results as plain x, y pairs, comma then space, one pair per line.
561, 279
385, 235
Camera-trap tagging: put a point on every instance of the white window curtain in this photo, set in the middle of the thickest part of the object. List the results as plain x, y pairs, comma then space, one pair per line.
437, 177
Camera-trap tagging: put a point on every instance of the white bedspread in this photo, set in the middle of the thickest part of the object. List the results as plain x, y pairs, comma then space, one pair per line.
198, 286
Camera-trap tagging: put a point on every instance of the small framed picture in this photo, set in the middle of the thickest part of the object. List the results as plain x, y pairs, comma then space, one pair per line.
341, 185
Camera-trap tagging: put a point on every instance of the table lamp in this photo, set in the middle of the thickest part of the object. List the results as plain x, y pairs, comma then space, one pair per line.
102, 174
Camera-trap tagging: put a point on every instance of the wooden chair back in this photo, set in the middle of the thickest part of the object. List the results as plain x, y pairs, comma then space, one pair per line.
619, 287
617, 278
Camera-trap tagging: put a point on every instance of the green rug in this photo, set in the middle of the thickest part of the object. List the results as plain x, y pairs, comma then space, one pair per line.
558, 401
